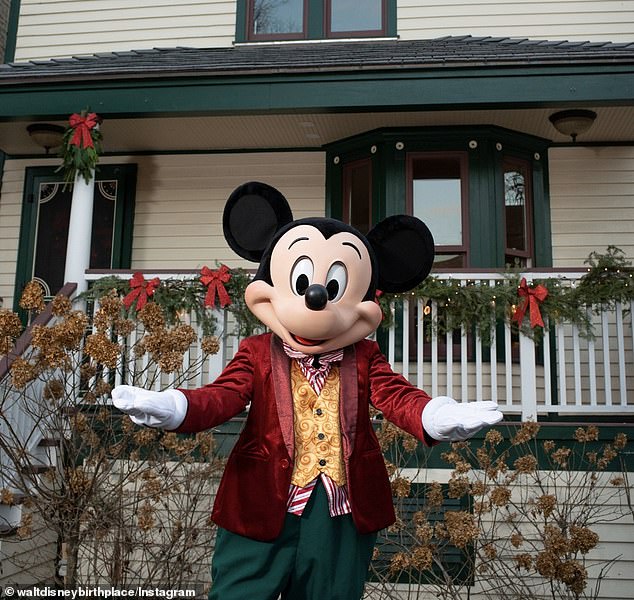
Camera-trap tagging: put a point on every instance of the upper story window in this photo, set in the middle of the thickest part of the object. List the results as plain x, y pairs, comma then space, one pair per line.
314, 19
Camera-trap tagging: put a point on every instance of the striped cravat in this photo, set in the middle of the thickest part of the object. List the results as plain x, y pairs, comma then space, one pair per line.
316, 372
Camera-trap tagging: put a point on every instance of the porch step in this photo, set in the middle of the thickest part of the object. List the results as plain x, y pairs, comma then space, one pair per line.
49, 442
36, 469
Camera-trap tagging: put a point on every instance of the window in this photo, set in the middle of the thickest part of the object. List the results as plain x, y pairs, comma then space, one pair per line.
277, 19
357, 194
46, 211
437, 192
350, 18
517, 212
263, 20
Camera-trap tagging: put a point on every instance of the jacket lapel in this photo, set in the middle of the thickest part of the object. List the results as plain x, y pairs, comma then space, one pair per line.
348, 399
281, 375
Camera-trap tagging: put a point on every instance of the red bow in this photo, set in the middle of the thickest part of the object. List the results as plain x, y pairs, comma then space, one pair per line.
82, 126
533, 297
215, 280
141, 290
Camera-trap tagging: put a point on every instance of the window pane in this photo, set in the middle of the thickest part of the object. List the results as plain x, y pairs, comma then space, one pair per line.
437, 197
357, 195
278, 16
515, 208
356, 15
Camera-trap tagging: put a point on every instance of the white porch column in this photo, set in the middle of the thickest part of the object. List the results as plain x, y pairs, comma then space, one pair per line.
80, 232
528, 377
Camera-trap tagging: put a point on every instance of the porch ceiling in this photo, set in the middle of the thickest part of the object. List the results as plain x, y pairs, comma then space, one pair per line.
200, 133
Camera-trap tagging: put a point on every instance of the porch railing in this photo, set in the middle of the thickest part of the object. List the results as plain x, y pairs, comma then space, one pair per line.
562, 372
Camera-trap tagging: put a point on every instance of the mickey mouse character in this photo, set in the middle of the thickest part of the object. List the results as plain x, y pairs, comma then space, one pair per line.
305, 489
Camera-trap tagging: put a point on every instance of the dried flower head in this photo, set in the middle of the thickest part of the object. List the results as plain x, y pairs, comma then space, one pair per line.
523, 561
546, 504
210, 344
582, 539
560, 456
517, 540
490, 551
587, 434
61, 305
527, 432
53, 390
461, 528
399, 563
617, 481
410, 443
422, 558
573, 575
493, 437
526, 464
26, 526
152, 317
434, 495
10, 330
549, 445
32, 297
458, 487
401, 487
620, 441
500, 495
102, 350
146, 516
22, 373
479, 488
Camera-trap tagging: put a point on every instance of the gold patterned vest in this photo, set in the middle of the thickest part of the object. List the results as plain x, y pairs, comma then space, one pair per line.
317, 432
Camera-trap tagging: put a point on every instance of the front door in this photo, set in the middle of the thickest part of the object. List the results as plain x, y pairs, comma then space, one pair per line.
45, 218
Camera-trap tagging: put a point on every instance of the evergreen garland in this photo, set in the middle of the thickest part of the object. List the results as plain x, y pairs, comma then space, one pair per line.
81, 147
610, 279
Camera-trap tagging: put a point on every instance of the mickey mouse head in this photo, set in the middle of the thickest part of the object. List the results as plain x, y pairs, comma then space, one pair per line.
317, 279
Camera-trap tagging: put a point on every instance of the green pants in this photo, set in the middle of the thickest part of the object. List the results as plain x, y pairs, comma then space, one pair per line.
316, 557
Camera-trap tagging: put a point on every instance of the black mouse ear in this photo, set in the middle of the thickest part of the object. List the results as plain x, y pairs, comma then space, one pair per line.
252, 215
404, 249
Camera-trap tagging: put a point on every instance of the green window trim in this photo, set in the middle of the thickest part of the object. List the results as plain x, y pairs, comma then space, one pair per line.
486, 148
123, 225
315, 23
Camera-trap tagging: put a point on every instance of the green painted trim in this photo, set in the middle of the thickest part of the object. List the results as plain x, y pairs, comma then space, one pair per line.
316, 20
12, 31
123, 225
241, 21
430, 89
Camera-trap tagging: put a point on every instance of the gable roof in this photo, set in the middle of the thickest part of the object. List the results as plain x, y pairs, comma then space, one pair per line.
320, 57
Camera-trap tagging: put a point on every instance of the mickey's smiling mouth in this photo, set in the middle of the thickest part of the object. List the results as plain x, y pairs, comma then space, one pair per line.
306, 341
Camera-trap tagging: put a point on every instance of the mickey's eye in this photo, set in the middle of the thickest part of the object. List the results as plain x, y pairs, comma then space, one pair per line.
336, 281
301, 275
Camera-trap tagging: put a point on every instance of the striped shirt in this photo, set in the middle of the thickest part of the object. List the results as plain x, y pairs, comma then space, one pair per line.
316, 372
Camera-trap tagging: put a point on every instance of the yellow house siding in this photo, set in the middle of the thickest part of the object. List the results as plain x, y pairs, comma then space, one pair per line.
180, 200
595, 20
57, 28
592, 202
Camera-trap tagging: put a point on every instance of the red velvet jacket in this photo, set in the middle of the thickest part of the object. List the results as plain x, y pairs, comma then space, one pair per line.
252, 496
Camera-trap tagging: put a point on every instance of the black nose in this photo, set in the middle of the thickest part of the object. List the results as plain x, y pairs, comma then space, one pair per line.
316, 297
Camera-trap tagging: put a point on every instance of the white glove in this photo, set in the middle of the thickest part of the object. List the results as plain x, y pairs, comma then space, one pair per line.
165, 410
446, 420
